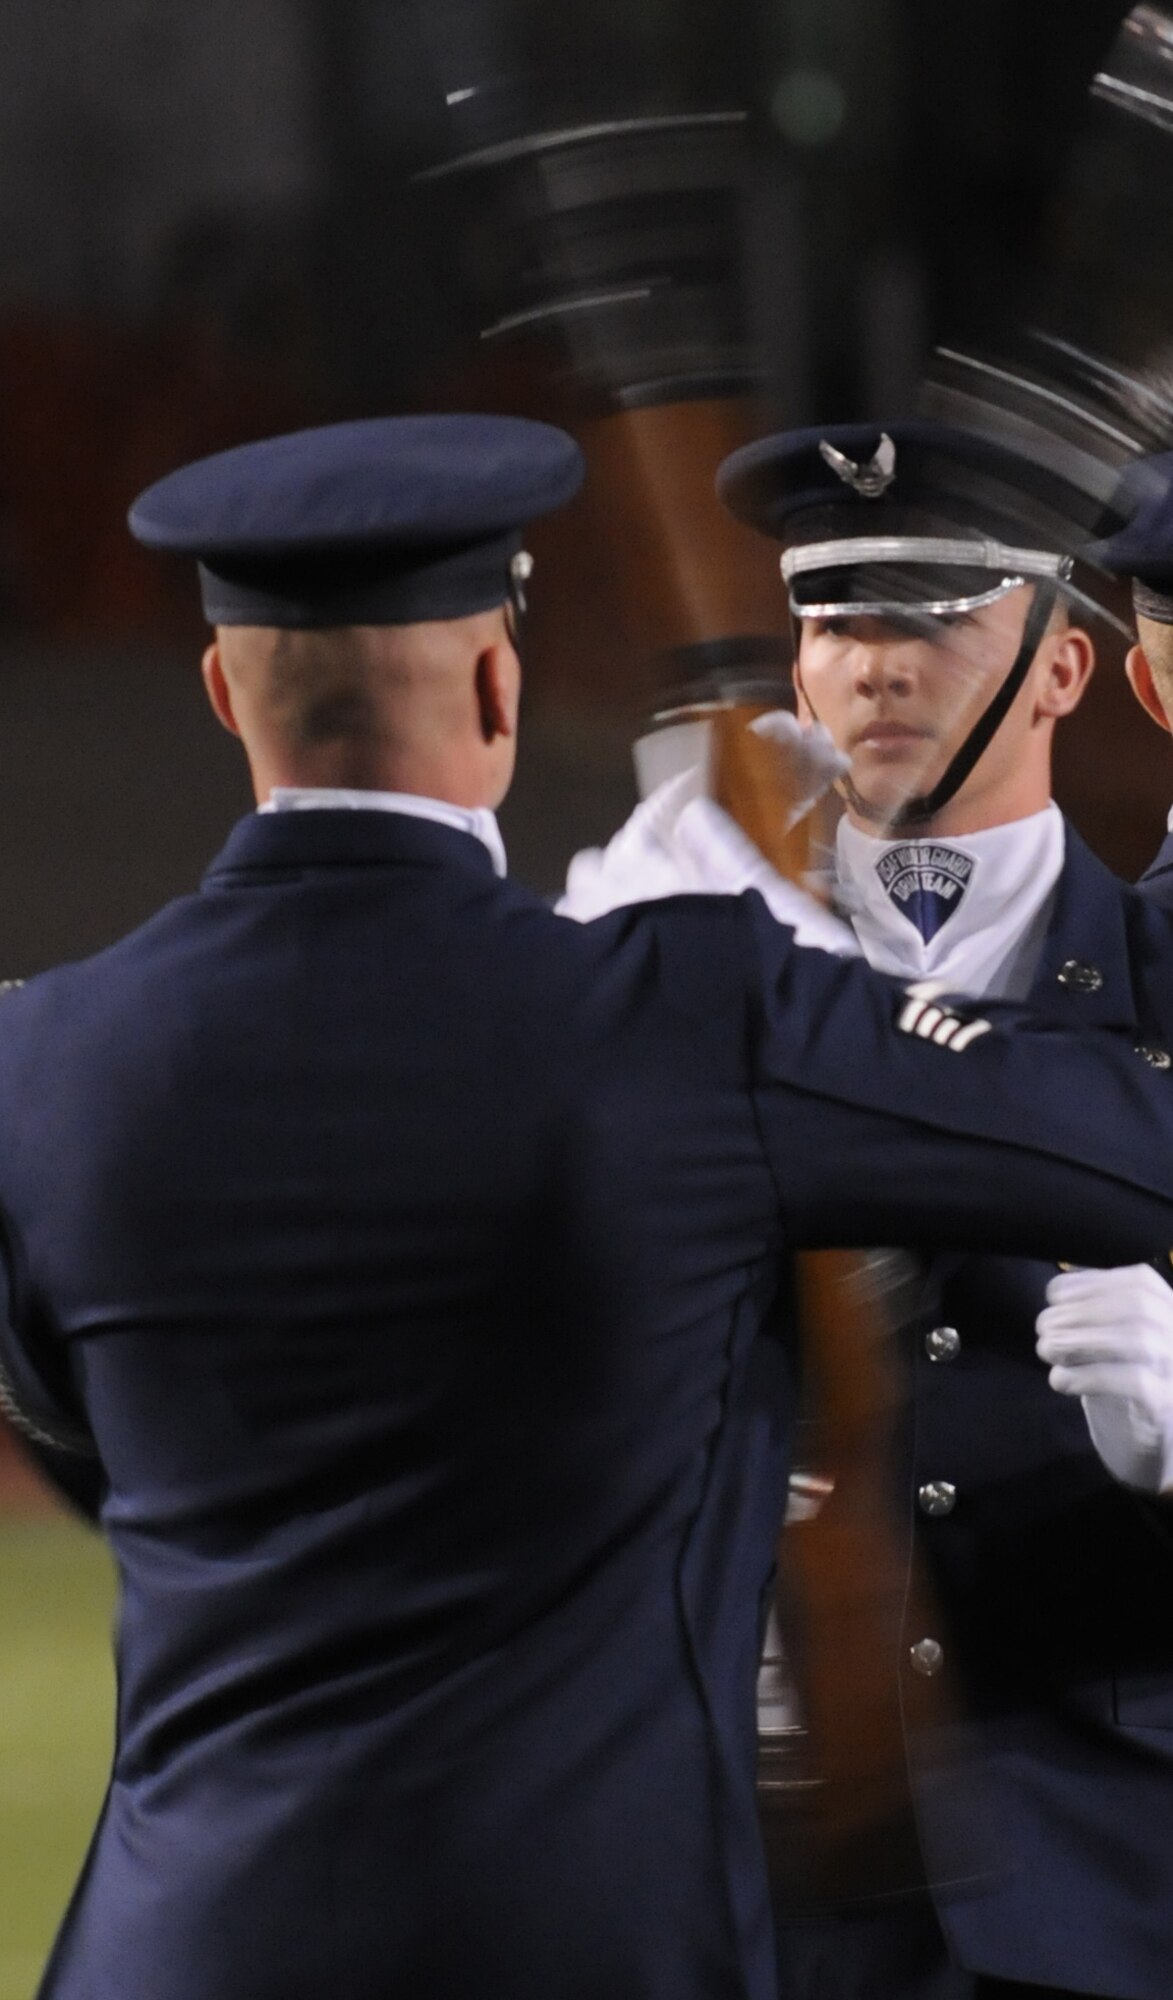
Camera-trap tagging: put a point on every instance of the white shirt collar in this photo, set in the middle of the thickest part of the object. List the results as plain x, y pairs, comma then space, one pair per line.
993, 893
477, 820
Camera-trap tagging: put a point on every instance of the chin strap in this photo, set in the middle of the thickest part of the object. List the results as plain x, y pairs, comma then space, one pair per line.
927, 804
983, 731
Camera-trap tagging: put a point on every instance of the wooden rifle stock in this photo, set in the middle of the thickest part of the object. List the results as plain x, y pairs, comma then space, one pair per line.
846, 1574
844, 1829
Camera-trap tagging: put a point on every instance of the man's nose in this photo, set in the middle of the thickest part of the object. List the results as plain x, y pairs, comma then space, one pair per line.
881, 668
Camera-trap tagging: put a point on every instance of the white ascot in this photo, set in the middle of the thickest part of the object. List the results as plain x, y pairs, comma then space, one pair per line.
477, 820
970, 910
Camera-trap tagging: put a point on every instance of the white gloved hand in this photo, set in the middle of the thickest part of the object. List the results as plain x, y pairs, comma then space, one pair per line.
638, 863
677, 843
810, 759
721, 860
645, 860
1107, 1337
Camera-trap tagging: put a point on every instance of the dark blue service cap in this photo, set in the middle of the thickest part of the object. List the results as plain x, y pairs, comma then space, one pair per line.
387, 521
911, 513
1142, 549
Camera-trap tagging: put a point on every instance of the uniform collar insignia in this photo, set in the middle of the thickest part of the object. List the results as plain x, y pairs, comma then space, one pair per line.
926, 882
871, 480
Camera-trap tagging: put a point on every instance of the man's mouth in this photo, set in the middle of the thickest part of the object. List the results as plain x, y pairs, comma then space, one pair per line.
893, 734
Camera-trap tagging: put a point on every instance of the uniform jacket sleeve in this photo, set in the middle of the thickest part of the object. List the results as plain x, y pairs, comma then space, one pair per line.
1033, 1139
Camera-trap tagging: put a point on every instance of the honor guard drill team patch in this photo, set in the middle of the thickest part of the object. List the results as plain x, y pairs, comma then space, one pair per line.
925, 882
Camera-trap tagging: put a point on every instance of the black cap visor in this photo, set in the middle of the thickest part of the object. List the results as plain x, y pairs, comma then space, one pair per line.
896, 590
932, 575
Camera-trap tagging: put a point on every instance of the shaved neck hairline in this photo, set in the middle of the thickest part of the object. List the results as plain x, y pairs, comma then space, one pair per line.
392, 688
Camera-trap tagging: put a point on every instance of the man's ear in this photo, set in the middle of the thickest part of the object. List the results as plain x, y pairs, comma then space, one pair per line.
217, 689
496, 682
1140, 679
1069, 669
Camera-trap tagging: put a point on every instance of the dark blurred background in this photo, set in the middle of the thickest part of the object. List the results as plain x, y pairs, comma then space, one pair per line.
666, 222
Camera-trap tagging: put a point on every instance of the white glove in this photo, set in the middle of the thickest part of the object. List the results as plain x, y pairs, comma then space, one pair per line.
808, 762
643, 861
723, 861
1108, 1338
638, 863
677, 843
811, 761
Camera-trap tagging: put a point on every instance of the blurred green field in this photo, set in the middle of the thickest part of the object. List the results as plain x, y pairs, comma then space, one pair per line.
56, 1713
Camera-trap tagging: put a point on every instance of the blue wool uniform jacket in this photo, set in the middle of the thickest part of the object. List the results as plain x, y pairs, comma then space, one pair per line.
1051, 1808
412, 1256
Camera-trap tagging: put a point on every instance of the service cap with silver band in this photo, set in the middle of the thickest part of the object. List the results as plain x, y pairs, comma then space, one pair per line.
382, 521
916, 521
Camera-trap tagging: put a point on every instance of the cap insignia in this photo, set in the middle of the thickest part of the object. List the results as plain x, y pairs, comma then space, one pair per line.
870, 481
